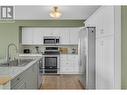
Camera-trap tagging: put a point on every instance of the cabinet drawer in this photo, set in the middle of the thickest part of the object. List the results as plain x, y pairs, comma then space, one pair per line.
66, 70
67, 64
20, 85
16, 80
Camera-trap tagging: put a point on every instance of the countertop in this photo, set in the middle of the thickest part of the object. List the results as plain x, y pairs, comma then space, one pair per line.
4, 80
9, 73
36, 55
40, 55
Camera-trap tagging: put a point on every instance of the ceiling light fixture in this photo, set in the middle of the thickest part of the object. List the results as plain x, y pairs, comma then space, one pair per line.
55, 13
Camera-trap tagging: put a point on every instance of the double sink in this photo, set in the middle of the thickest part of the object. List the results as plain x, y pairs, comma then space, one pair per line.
16, 62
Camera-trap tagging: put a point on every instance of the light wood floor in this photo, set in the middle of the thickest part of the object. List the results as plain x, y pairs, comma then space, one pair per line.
61, 82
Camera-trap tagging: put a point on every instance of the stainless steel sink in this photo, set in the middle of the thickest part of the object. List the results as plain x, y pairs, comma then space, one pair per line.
17, 62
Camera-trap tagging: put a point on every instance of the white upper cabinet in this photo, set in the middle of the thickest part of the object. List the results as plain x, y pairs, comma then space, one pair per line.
50, 32
64, 35
35, 35
74, 34
103, 20
27, 35
108, 21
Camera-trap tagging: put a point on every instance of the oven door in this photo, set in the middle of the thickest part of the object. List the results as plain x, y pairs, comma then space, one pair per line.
50, 64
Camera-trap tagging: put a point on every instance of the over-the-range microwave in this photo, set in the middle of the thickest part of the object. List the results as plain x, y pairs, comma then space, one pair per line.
51, 40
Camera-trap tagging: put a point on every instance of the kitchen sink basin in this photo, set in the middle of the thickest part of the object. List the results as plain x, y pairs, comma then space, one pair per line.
17, 62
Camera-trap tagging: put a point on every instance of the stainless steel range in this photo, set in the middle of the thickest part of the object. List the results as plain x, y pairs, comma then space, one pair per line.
51, 60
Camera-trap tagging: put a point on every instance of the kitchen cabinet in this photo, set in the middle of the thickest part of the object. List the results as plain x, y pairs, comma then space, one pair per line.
103, 20
31, 36
108, 21
31, 77
27, 36
105, 63
34, 35
73, 59
64, 36
37, 36
20, 85
74, 34
56, 31
27, 79
69, 64
18, 82
49, 32
66, 67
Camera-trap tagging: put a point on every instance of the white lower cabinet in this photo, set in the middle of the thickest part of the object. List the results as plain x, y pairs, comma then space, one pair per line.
69, 64
105, 63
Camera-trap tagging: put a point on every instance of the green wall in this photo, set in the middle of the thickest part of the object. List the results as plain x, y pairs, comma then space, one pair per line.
9, 32
124, 47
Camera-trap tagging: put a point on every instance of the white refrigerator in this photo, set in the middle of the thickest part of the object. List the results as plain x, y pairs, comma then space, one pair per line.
87, 57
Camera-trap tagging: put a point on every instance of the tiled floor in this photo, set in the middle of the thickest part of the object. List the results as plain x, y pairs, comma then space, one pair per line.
61, 82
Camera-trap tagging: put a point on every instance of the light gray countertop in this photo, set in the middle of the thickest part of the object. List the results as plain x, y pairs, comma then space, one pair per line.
12, 72
40, 55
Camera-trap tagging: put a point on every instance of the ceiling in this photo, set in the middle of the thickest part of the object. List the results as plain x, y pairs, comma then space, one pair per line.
42, 12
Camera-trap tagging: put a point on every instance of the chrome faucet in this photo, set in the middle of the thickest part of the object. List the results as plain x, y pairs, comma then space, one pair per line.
8, 51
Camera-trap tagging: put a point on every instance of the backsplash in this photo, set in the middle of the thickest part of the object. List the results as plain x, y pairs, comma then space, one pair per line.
64, 49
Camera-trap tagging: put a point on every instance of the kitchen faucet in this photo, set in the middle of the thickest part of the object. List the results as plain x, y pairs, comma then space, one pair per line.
8, 51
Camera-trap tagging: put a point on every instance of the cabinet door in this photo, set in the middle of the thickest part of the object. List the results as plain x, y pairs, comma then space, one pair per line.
73, 35
44, 32
105, 63
108, 21
31, 77
37, 37
63, 60
108, 62
56, 31
75, 62
104, 21
70, 61
20, 85
66, 66
27, 35
67, 70
64, 38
